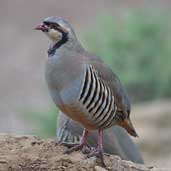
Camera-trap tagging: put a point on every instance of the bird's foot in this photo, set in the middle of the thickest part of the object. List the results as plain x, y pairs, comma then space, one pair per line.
82, 146
85, 148
74, 148
99, 154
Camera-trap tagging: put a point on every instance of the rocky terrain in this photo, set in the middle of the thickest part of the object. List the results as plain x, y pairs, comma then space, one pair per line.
27, 153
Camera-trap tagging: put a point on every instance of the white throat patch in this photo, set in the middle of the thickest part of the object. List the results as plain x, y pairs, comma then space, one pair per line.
54, 35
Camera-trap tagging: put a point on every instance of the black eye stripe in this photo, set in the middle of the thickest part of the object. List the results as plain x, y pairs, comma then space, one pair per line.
46, 23
52, 25
55, 26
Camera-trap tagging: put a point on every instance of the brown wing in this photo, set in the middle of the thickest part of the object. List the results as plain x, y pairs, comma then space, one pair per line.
111, 79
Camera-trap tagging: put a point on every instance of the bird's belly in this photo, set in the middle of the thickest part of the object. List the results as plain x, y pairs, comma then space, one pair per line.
81, 118
89, 120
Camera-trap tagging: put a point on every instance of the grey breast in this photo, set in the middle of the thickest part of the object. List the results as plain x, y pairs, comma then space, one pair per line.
63, 79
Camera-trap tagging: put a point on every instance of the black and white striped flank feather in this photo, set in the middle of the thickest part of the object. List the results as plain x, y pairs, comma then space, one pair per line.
97, 99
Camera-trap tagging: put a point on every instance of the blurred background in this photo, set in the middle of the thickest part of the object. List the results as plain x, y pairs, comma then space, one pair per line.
132, 36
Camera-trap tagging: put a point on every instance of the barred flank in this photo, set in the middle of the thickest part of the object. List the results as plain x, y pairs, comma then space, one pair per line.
96, 97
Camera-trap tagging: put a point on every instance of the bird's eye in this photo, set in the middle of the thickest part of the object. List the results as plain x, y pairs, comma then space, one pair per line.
53, 26
46, 23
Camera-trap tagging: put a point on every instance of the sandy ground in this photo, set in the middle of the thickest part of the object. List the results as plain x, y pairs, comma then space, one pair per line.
30, 153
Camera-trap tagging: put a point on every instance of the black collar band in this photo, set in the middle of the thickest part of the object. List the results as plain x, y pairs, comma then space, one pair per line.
64, 39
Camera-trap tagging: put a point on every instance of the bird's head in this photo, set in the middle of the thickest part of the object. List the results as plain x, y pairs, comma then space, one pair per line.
123, 120
57, 29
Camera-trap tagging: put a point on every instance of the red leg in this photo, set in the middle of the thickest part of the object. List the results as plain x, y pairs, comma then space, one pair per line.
98, 152
81, 145
84, 136
100, 141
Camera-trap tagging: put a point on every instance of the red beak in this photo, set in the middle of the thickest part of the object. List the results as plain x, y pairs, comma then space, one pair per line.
42, 27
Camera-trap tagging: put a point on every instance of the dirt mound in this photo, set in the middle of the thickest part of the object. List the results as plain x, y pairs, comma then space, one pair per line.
28, 153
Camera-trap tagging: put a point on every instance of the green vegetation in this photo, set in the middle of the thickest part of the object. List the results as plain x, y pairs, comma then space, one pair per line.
138, 48
43, 122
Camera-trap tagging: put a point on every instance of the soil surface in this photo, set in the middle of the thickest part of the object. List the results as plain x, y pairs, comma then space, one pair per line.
28, 153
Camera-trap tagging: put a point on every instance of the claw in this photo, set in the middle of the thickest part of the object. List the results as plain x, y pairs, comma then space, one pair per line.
99, 154
86, 149
75, 148
79, 146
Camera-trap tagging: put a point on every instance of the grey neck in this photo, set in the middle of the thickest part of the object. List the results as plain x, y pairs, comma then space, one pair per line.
68, 45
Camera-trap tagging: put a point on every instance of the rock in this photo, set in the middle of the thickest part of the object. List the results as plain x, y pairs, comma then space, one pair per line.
25, 153
98, 168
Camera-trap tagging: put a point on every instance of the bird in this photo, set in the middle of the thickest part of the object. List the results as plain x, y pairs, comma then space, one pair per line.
82, 86
117, 141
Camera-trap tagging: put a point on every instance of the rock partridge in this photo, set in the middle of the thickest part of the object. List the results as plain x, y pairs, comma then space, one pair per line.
82, 86
117, 141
